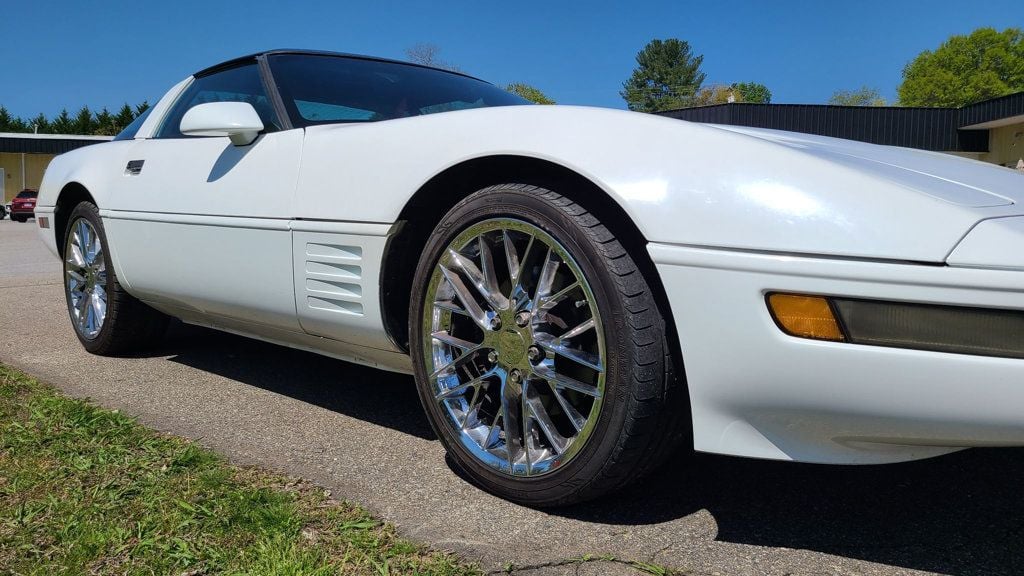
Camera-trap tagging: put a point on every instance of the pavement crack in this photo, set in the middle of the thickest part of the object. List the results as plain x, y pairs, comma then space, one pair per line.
579, 561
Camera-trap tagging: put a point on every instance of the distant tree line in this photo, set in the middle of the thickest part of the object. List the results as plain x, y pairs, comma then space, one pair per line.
102, 123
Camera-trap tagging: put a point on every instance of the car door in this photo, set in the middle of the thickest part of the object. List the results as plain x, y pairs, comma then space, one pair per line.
199, 225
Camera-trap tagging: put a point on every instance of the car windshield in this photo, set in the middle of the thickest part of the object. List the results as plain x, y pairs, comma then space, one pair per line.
330, 89
27, 194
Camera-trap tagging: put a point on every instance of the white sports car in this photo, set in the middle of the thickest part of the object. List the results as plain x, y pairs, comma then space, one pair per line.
578, 291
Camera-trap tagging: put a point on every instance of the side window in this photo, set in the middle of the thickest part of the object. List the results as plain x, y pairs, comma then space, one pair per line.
239, 84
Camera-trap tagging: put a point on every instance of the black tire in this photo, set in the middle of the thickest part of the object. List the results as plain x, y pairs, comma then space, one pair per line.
129, 325
18, 218
644, 416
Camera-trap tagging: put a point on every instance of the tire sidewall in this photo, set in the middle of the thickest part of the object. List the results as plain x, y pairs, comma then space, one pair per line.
513, 202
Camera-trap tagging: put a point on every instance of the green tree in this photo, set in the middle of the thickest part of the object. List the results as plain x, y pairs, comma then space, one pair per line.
62, 123
83, 122
714, 94
863, 96
752, 92
667, 76
529, 92
966, 69
104, 123
39, 124
123, 118
10, 123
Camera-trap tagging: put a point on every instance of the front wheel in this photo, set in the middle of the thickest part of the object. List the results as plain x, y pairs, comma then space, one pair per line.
106, 319
539, 350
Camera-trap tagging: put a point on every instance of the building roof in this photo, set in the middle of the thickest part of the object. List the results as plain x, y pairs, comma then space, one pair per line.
943, 129
46, 143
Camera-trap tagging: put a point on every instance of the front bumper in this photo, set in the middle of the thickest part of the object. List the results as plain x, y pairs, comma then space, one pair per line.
756, 391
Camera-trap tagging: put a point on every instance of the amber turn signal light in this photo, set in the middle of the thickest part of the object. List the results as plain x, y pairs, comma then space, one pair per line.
805, 316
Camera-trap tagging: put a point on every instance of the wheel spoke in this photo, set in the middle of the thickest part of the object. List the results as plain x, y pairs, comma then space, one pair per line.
588, 359
76, 257
454, 391
511, 414
83, 307
490, 277
539, 414
84, 240
455, 363
489, 291
579, 329
451, 307
516, 263
546, 279
472, 407
99, 307
524, 411
450, 340
563, 382
548, 302
577, 419
473, 310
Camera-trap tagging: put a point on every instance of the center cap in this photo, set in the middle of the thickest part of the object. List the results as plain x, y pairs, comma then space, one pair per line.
512, 347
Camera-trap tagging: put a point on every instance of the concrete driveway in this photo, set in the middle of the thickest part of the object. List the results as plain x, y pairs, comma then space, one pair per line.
361, 433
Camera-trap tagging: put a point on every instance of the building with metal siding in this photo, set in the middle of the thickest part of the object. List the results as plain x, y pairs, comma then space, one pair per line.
24, 157
992, 130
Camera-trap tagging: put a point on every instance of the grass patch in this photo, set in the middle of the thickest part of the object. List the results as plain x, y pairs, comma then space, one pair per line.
85, 490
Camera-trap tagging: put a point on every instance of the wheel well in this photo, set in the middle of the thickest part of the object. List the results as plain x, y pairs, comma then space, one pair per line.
432, 201
70, 196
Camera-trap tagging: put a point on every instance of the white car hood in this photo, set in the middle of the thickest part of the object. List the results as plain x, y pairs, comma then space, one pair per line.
936, 174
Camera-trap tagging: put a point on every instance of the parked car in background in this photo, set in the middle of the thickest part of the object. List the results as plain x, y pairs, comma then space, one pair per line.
23, 206
578, 291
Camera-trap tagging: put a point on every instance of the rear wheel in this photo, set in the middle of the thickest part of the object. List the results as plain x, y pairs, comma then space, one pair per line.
106, 319
539, 350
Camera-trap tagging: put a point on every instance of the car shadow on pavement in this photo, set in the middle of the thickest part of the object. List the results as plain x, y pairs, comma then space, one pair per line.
957, 514
375, 396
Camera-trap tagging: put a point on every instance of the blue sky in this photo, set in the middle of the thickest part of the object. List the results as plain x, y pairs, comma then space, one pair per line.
66, 54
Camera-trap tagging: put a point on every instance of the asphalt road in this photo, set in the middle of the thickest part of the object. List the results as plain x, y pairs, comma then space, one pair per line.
361, 433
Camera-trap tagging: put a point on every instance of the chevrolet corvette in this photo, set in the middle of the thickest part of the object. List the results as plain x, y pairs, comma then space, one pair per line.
580, 293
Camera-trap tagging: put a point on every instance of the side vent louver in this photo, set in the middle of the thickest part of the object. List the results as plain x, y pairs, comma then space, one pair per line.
333, 278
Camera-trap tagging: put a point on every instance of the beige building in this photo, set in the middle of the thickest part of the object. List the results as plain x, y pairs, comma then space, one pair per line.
24, 158
1005, 142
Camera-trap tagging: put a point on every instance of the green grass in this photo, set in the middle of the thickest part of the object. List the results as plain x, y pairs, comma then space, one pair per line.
85, 490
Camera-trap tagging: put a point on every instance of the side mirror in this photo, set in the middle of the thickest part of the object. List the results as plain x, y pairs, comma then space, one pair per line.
236, 120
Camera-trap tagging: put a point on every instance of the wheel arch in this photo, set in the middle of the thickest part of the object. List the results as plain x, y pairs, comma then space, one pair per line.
70, 196
439, 194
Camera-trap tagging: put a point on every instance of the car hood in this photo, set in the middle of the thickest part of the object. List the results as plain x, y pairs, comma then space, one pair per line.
944, 176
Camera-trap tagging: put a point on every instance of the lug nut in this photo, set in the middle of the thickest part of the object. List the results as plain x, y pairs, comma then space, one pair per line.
515, 377
495, 323
522, 319
534, 354
492, 356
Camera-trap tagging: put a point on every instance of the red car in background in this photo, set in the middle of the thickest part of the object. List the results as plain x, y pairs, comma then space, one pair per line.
23, 206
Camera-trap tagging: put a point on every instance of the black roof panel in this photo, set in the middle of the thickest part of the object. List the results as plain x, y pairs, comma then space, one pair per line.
241, 59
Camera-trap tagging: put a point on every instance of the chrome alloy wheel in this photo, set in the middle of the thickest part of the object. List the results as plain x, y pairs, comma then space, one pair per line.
85, 272
516, 349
